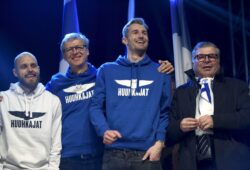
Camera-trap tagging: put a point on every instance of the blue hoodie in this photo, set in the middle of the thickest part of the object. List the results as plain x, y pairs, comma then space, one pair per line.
134, 99
75, 92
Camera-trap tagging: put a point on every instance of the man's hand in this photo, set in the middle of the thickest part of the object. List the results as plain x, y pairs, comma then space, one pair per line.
188, 124
206, 122
165, 67
154, 152
111, 136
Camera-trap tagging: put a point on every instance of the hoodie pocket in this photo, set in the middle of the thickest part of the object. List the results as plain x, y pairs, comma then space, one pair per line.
131, 125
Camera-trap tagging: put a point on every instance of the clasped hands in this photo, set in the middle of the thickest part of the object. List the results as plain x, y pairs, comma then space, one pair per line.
204, 123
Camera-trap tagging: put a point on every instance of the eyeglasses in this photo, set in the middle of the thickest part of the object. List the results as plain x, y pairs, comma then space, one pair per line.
203, 57
77, 48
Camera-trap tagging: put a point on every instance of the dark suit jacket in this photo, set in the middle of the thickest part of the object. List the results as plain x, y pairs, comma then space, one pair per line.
231, 118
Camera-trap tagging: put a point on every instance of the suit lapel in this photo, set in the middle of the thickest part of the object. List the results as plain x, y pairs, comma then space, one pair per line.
192, 93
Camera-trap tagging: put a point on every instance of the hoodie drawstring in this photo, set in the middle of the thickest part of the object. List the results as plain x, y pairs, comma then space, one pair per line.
137, 78
131, 79
28, 98
26, 106
28, 111
134, 82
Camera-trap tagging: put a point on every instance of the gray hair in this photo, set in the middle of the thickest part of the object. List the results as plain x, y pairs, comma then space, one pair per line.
204, 44
139, 21
74, 36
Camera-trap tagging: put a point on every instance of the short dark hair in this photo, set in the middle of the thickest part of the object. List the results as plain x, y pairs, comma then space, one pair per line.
203, 44
139, 21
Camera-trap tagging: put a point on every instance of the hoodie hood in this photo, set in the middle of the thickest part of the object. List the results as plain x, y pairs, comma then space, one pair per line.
123, 60
60, 81
16, 88
89, 73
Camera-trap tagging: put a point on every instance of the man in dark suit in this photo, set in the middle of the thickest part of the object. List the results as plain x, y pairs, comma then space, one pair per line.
226, 125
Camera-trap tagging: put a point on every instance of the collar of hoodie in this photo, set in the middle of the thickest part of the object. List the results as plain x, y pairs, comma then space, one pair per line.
134, 70
28, 98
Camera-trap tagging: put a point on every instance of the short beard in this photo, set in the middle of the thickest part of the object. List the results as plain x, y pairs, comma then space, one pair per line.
29, 87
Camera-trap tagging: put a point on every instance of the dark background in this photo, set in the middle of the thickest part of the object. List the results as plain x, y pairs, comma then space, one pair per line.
35, 26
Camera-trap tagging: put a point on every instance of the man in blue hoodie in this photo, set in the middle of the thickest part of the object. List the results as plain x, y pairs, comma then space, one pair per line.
82, 148
130, 106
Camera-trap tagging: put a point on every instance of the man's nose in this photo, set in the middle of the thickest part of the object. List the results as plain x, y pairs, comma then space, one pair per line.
74, 50
207, 59
30, 68
140, 34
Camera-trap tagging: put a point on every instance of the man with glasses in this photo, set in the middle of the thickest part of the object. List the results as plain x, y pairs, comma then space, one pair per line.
82, 148
224, 120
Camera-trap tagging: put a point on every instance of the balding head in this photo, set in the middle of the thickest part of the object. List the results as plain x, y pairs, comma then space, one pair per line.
19, 56
27, 71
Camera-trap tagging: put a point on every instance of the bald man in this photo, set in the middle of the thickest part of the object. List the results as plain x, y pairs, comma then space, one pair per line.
30, 121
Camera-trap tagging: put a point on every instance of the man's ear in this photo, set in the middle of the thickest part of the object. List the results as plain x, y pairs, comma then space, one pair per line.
87, 52
14, 72
63, 56
124, 40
